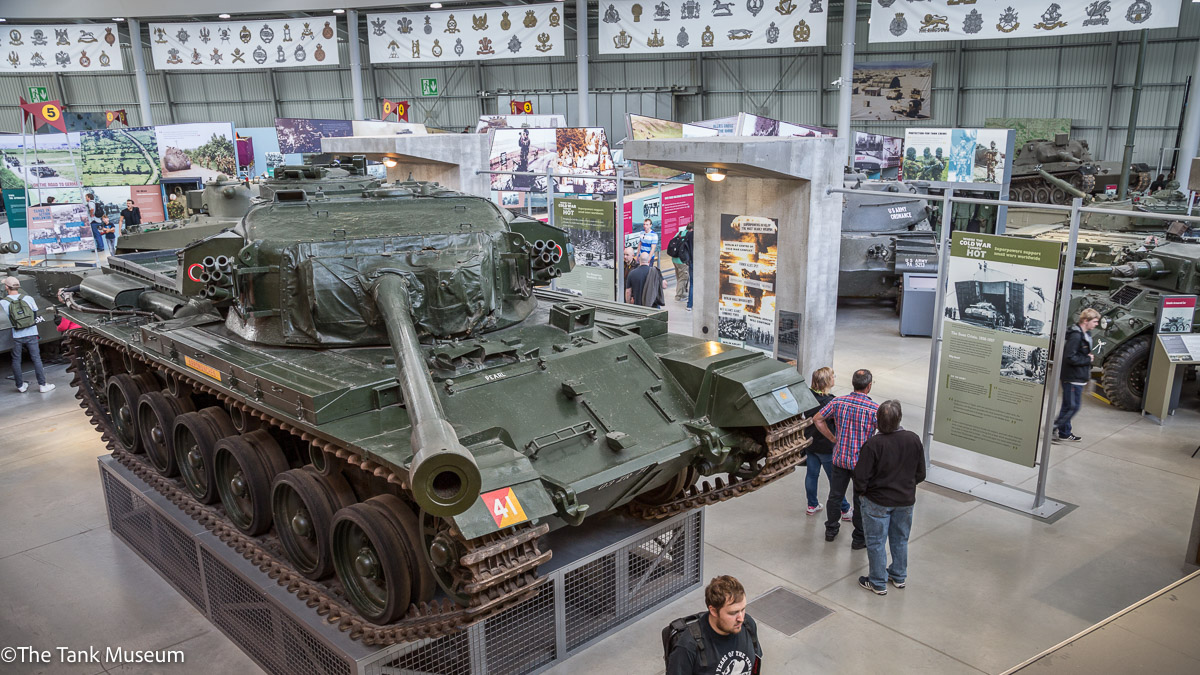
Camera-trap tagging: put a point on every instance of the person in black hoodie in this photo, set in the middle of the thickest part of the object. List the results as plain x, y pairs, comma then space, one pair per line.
1076, 369
820, 452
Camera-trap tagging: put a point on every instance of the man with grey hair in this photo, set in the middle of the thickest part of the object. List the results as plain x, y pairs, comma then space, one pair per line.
21, 311
645, 285
890, 465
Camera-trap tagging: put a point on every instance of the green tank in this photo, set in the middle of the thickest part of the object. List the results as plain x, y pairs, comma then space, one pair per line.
1121, 344
219, 206
331, 180
1070, 160
378, 401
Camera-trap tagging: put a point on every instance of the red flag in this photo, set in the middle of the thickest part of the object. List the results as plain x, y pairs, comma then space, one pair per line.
45, 112
398, 107
111, 116
521, 107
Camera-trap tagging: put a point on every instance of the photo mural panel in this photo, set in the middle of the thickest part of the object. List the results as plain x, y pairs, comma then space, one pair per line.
87, 47
892, 90
746, 297
229, 45
298, 134
908, 21
43, 164
466, 34
198, 150
120, 157
642, 27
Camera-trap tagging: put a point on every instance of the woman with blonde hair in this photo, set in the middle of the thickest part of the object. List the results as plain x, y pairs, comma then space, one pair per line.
820, 453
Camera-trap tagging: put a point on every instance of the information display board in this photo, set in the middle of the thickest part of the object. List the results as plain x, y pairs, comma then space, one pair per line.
746, 296
996, 329
591, 225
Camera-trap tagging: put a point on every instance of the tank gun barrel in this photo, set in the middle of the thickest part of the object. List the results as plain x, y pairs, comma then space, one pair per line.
1137, 269
443, 474
1066, 187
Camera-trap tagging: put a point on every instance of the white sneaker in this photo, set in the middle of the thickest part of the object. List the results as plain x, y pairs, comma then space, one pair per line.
23, 388
812, 510
46, 387
848, 514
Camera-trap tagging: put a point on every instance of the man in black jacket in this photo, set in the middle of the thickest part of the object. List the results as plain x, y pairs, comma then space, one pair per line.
1077, 368
890, 465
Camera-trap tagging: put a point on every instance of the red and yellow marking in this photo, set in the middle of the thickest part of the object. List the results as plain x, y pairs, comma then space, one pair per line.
504, 507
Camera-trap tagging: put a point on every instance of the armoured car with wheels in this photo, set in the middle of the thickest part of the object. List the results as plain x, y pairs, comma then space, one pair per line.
384, 387
1122, 342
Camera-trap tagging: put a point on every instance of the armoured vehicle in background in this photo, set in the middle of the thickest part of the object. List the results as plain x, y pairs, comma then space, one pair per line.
219, 206
224, 201
886, 231
380, 388
1122, 342
1070, 160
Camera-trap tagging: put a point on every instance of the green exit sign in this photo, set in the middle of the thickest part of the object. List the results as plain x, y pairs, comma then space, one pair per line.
429, 87
39, 94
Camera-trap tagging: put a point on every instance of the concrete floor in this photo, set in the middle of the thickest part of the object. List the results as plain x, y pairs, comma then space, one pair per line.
987, 588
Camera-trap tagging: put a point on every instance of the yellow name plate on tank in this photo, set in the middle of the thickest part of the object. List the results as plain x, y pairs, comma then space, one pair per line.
202, 368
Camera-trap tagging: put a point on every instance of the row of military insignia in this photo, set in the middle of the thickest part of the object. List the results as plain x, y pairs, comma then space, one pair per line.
405, 24
690, 9
1139, 11
801, 32
62, 37
224, 35
61, 59
485, 47
260, 55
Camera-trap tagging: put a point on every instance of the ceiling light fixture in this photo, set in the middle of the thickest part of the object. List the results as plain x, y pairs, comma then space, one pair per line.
339, 11
222, 16
118, 18
390, 162
3, 20
436, 5
714, 174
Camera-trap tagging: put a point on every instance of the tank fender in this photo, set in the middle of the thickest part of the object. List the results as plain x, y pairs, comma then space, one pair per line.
502, 468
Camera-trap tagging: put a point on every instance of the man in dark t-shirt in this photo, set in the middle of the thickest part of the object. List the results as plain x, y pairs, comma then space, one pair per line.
729, 634
645, 285
130, 215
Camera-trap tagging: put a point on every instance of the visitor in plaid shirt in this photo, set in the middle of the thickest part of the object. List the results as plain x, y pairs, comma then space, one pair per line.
853, 419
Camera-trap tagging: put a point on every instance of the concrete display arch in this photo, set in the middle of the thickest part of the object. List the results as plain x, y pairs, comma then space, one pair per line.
449, 159
783, 178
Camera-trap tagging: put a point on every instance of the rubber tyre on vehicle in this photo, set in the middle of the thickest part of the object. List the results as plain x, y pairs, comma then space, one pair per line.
303, 502
1123, 378
195, 439
156, 419
244, 467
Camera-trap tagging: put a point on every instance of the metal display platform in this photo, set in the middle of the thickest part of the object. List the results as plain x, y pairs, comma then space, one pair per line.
603, 576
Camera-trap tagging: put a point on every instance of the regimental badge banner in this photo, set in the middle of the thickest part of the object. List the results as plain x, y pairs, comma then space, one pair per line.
516, 32
641, 27
58, 48
996, 326
231, 45
911, 21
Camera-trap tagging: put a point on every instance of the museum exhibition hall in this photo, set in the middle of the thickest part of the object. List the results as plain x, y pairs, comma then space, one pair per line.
318, 358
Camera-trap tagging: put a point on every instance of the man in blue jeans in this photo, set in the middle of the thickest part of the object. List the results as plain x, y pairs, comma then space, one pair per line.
890, 465
1076, 369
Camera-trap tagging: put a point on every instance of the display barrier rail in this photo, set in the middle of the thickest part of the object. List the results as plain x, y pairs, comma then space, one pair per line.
1035, 504
602, 578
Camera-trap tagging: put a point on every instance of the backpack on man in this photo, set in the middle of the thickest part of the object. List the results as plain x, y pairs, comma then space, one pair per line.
688, 628
20, 314
673, 245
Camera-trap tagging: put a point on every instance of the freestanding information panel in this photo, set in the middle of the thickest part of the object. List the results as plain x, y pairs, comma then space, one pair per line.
1170, 352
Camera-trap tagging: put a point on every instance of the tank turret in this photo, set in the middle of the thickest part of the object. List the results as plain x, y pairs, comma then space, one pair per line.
220, 205
886, 231
330, 180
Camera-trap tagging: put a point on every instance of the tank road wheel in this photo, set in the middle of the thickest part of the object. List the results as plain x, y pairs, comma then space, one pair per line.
124, 392
1058, 196
303, 503
156, 419
1025, 194
244, 467
444, 552
1124, 376
195, 438
381, 572
1041, 194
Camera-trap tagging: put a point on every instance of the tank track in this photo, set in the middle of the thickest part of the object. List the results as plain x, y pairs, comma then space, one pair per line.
786, 442
501, 567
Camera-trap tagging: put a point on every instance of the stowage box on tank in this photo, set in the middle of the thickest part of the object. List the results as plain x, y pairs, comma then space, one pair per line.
381, 384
